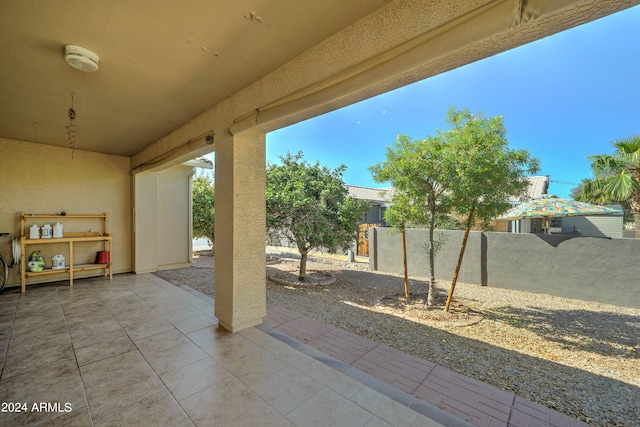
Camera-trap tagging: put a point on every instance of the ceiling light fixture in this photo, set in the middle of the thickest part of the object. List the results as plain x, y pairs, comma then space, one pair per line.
80, 58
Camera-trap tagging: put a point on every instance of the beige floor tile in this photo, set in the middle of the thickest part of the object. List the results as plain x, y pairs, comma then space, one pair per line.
128, 309
252, 367
109, 346
90, 310
161, 341
231, 346
147, 327
263, 340
178, 314
78, 417
328, 408
9, 301
79, 300
93, 334
287, 388
111, 395
33, 354
5, 334
159, 409
195, 377
261, 415
29, 315
195, 323
164, 361
6, 319
38, 332
220, 403
92, 314
206, 307
385, 407
328, 376
377, 422
115, 296
207, 336
54, 383
112, 368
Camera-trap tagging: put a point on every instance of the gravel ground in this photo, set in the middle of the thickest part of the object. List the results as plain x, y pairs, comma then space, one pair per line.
577, 357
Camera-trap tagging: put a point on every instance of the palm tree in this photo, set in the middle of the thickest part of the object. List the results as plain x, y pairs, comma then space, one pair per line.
616, 177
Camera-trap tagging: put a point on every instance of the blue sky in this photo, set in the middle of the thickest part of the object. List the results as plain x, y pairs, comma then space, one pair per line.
563, 98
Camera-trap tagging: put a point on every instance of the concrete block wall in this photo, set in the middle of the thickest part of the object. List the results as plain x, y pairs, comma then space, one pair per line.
588, 268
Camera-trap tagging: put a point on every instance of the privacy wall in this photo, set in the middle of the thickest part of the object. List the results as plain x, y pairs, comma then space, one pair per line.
588, 268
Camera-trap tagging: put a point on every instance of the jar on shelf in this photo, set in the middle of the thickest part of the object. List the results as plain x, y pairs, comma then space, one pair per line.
45, 232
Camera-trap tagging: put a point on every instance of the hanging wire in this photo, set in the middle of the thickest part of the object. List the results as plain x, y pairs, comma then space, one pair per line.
71, 128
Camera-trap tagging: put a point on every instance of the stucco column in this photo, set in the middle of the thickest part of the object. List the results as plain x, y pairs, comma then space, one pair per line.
240, 291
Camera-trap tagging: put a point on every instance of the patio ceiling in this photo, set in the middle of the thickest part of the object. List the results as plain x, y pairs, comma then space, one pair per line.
163, 63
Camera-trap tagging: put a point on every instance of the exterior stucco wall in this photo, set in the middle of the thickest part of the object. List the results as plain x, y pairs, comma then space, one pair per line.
587, 268
146, 222
163, 219
46, 179
174, 217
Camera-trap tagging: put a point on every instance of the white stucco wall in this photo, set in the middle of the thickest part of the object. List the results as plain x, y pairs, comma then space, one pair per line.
174, 213
163, 231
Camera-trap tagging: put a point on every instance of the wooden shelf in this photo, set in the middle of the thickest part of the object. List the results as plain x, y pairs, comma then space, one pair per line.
76, 267
70, 239
34, 215
65, 239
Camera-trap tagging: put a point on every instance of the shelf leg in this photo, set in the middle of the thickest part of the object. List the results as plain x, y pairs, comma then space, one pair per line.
71, 263
23, 266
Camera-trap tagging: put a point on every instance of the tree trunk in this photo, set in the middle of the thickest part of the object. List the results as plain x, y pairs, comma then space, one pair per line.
636, 217
462, 249
303, 265
432, 266
404, 260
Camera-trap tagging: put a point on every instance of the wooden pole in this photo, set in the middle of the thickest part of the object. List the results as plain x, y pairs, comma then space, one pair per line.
404, 260
462, 249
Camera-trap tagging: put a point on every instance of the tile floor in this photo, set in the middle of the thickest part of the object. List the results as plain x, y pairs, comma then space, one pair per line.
140, 351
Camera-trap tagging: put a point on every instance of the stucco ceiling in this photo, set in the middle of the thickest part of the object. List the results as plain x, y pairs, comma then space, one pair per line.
162, 62
169, 69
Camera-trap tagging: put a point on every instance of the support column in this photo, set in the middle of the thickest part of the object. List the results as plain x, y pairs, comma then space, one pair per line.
240, 290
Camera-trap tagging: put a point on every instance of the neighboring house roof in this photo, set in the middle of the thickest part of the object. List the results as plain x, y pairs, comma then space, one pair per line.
538, 185
376, 195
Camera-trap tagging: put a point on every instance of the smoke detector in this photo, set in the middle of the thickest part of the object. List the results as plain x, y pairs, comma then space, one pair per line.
80, 58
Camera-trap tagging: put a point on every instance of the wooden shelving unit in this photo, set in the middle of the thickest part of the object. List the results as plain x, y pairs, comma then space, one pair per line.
71, 239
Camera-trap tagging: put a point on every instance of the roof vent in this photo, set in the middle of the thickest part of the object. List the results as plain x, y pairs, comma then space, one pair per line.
80, 58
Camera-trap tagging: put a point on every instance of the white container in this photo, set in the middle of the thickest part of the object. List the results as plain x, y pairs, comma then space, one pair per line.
57, 262
34, 232
57, 230
45, 231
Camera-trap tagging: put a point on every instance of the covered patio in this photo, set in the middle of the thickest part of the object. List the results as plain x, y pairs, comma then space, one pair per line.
178, 80
140, 351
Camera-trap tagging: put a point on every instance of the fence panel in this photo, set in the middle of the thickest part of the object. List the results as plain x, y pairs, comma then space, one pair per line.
363, 239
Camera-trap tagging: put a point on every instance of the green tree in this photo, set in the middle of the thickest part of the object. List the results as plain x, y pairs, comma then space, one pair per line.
616, 178
310, 206
203, 196
485, 172
415, 169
